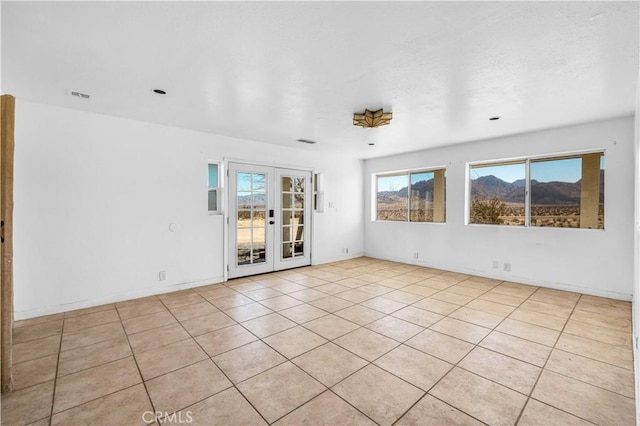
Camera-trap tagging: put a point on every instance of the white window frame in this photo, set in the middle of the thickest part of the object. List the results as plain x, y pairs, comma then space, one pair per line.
218, 188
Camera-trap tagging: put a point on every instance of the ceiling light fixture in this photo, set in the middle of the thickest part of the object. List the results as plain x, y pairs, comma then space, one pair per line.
306, 141
159, 91
494, 118
372, 119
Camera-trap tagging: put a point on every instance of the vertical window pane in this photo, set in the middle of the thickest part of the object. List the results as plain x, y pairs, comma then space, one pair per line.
213, 176
498, 194
213, 200
421, 197
568, 192
392, 197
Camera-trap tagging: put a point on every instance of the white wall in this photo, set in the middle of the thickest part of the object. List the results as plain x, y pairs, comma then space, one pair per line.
589, 261
94, 197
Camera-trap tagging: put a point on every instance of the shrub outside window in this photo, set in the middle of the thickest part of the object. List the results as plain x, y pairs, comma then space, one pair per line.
560, 191
411, 196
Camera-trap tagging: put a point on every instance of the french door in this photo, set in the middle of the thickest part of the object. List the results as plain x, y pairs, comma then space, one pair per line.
269, 219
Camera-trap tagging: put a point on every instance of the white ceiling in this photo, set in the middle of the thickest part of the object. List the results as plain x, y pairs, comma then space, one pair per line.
279, 71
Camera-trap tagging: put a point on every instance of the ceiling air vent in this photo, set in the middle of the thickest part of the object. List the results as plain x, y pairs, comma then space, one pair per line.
306, 141
79, 95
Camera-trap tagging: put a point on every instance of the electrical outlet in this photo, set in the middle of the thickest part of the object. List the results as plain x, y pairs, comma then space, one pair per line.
162, 275
496, 264
506, 267
346, 250
415, 255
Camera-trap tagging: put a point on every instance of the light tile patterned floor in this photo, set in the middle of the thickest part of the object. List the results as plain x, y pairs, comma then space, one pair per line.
362, 341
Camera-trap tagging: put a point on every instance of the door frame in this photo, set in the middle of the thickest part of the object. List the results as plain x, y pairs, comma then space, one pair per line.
227, 252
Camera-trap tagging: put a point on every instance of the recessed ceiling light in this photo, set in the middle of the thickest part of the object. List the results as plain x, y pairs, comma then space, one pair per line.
306, 141
494, 118
159, 91
371, 144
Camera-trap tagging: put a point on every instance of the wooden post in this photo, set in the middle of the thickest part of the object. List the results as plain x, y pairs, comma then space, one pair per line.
438, 196
590, 191
7, 112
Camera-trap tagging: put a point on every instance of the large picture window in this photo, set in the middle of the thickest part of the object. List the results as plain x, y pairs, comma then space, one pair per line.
561, 191
411, 196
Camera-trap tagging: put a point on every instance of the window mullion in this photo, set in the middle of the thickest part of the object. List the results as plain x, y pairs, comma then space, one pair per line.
408, 197
527, 197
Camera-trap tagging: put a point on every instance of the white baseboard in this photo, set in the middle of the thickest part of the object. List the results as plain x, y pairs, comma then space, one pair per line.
337, 259
511, 278
81, 304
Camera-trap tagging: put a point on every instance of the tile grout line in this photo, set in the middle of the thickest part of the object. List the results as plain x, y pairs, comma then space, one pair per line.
55, 378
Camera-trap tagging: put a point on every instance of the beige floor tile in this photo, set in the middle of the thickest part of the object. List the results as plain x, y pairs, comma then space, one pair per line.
27, 405
331, 288
127, 406
466, 290
325, 409
353, 282
432, 411
331, 326
89, 336
420, 290
138, 301
437, 306
247, 312
355, 295
146, 307
207, 323
399, 281
246, 286
33, 372
148, 322
378, 394
288, 287
303, 313
168, 358
262, 294
383, 305
514, 289
90, 310
215, 291
294, 341
403, 296
417, 316
547, 308
181, 388
224, 408
268, 325
581, 399
359, 314
565, 299
476, 317
479, 397
436, 284
366, 343
247, 361
395, 328
490, 307
158, 337
538, 318
524, 350
331, 303
85, 357
602, 334
40, 320
462, 330
37, 331
596, 350
281, 302
225, 339
595, 303
41, 422
440, 345
524, 330
232, 301
455, 298
308, 295
329, 363
280, 390
181, 298
199, 309
311, 282
536, 413
34, 349
504, 299
86, 385
510, 372
90, 320
417, 368
606, 376
602, 320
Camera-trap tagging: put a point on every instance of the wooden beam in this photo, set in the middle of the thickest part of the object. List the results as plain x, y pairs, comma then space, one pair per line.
590, 191
438, 196
7, 113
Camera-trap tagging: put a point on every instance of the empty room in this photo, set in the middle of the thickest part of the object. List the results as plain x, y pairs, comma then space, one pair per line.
319, 213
